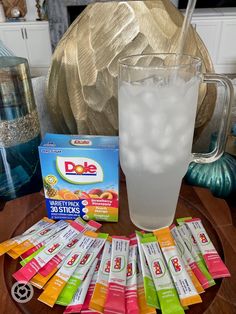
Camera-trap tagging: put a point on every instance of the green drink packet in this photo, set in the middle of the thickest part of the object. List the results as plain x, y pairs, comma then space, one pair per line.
167, 294
149, 287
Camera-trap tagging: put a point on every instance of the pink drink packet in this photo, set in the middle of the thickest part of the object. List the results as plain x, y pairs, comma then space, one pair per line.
212, 259
88, 298
115, 302
131, 295
193, 248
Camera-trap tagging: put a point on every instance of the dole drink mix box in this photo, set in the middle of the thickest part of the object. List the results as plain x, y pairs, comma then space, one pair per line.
80, 176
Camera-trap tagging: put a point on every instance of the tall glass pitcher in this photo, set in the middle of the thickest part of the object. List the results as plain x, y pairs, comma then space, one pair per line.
157, 97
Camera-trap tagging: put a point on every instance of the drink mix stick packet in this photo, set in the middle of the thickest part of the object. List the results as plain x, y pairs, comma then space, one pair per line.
81, 221
59, 280
115, 301
214, 263
186, 290
193, 248
78, 300
40, 281
197, 277
85, 263
51, 249
131, 295
190, 240
166, 292
149, 287
41, 235
144, 308
11, 243
32, 255
85, 307
98, 299
53, 263
37, 246
92, 225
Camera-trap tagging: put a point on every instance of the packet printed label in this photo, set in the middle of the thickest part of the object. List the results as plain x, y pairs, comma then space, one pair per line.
167, 294
85, 263
78, 300
193, 248
90, 226
199, 280
149, 287
212, 259
40, 236
58, 282
11, 243
131, 296
99, 295
51, 249
183, 284
115, 302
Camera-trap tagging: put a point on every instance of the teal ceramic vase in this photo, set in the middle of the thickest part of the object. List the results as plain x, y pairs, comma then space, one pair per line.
219, 176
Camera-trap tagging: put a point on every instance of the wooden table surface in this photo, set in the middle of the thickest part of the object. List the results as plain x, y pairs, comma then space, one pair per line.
16, 216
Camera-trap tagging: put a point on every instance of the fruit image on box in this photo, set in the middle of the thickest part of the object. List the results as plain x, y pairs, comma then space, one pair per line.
80, 176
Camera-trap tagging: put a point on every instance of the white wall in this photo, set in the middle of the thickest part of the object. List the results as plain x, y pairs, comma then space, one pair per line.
31, 10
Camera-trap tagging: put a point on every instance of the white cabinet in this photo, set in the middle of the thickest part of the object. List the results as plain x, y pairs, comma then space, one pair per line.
30, 40
13, 38
217, 29
210, 31
227, 48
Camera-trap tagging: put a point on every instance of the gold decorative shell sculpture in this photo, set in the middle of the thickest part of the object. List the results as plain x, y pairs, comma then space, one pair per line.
82, 81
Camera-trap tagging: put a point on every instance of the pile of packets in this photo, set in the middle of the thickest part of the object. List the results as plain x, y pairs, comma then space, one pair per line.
91, 272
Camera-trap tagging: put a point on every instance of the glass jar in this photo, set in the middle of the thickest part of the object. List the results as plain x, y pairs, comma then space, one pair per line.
19, 131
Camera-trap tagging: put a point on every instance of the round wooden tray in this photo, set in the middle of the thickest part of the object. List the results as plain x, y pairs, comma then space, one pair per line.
21, 213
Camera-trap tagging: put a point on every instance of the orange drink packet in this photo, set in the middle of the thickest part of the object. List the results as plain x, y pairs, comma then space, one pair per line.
13, 242
98, 299
40, 236
184, 286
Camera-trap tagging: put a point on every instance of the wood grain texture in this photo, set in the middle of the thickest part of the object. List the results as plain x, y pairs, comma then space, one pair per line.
19, 214
82, 81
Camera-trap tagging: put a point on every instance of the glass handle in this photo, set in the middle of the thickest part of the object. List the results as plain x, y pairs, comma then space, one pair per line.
225, 119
